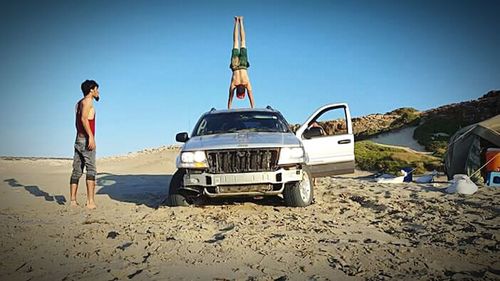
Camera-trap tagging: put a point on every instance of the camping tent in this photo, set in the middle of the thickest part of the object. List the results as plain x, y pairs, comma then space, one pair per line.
465, 153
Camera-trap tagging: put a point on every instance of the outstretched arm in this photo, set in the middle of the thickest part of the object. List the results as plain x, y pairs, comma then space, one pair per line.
250, 95
242, 33
235, 34
230, 99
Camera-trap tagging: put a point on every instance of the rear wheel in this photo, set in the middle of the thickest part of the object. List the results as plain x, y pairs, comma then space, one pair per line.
299, 194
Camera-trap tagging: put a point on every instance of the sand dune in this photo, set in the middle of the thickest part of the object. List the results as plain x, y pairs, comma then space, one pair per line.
356, 230
400, 138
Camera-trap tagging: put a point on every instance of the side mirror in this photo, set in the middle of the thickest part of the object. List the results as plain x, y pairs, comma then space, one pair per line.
312, 133
182, 137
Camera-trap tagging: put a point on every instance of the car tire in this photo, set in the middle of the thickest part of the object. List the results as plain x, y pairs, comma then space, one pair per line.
301, 193
174, 198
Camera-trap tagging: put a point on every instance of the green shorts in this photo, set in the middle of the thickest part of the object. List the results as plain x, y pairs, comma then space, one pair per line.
239, 59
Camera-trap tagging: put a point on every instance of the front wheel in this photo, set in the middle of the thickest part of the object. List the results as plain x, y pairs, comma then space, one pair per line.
300, 194
174, 197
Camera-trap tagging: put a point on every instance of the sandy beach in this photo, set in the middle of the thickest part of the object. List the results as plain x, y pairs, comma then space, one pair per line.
356, 230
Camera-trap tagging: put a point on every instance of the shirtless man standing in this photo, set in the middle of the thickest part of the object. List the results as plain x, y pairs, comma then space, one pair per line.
239, 64
85, 143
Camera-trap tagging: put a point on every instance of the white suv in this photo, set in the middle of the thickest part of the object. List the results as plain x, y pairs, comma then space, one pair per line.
253, 152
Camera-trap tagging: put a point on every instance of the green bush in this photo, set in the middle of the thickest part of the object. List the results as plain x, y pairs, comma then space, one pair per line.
373, 157
404, 110
425, 133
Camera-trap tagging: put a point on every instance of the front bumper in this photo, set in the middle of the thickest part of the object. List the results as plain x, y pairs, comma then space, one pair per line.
235, 184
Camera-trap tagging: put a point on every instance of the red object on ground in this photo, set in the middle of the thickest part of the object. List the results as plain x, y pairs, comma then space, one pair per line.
494, 165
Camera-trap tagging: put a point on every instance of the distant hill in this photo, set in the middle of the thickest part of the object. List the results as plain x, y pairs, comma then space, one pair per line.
437, 125
434, 126
433, 129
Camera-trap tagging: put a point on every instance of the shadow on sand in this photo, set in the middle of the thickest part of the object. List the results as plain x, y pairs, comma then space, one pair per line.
149, 190
37, 192
274, 201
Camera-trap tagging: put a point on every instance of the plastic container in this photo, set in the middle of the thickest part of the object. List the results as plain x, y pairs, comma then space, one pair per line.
462, 184
493, 179
494, 165
409, 175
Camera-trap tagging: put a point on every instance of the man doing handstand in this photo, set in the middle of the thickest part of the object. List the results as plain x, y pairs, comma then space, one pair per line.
239, 65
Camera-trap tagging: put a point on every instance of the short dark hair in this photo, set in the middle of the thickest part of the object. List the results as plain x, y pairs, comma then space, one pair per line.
88, 85
240, 89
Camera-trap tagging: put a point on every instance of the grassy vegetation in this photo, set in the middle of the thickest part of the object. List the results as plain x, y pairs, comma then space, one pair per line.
425, 134
373, 157
408, 116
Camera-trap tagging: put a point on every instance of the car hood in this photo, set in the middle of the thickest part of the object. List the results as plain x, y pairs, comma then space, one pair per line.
241, 140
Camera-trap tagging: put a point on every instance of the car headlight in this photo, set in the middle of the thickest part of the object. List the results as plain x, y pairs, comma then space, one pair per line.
193, 159
291, 155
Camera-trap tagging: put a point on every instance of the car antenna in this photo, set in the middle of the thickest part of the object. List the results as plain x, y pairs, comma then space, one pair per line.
213, 109
269, 107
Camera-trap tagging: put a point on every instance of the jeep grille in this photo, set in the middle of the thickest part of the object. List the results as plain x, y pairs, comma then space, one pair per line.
242, 160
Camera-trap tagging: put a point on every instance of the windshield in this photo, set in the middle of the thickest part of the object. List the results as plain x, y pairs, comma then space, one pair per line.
232, 122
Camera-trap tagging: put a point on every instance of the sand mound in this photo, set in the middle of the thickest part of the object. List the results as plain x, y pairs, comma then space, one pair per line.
402, 138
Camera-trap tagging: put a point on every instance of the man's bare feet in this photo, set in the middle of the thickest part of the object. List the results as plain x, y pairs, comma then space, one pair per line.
235, 18
91, 205
73, 203
240, 18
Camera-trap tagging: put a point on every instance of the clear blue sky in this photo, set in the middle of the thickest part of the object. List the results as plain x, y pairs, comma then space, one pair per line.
160, 64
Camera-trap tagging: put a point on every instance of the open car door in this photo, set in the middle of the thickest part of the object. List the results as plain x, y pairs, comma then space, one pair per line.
328, 140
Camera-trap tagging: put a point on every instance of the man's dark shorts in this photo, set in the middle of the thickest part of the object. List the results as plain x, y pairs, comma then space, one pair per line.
83, 158
239, 59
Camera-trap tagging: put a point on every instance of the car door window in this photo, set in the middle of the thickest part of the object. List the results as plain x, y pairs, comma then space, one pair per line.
331, 122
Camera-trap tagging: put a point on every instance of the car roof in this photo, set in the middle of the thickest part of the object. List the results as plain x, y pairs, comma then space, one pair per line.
267, 109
